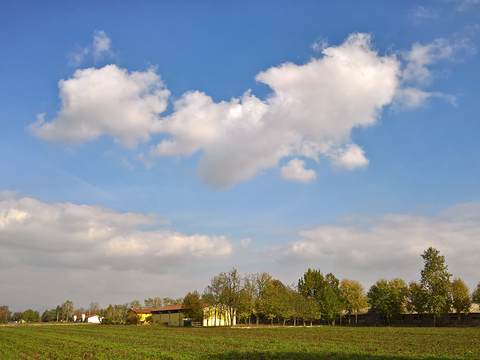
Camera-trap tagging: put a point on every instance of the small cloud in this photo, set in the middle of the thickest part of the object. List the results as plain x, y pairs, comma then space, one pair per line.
147, 163
466, 4
421, 13
101, 45
245, 242
320, 44
295, 171
100, 48
75, 58
349, 158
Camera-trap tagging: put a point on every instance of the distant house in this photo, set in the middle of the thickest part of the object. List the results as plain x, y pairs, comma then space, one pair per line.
141, 314
94, 319
173, 316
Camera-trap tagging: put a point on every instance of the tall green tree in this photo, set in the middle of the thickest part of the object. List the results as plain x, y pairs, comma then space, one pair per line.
387, 298
309, 310
417, 298
330, 300
353, 297
312, 284
261, 281
193, 306
58, 312
461, 301
435, 279
5, 314
476, 295
49, 315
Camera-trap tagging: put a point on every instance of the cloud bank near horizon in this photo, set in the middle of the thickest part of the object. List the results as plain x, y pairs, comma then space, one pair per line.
310, 112
391, 244
65, 235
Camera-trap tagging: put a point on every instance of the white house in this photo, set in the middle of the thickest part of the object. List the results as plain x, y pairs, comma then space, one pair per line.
95, 319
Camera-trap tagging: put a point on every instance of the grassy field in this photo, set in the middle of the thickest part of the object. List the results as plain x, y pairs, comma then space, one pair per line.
82, 341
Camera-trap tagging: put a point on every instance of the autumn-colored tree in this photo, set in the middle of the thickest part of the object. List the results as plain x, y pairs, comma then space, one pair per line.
66, 309
166, 301
353, 297
94, 309
435, 279
135, 304
153, 303
17, 316
5, 314
461, 301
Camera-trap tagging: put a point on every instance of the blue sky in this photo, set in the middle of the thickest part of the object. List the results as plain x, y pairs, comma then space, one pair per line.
164, 142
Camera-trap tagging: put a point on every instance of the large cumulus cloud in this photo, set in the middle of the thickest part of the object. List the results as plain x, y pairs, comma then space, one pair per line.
310, 112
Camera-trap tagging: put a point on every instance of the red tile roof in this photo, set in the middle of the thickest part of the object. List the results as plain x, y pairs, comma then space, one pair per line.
142, 311
168, 308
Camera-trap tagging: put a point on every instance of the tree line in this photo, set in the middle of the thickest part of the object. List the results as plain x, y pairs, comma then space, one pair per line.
326, 299
314, 298
113, 314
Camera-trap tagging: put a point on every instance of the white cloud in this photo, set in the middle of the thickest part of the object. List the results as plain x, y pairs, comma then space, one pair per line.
100, 48
109, 101
101, 45
421, 56
295, 171
80, 236
388, 245
311, 111
466, 4
420, 13
320, 44
349, 158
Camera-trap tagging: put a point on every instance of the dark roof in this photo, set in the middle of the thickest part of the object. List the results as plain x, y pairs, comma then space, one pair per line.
142, 311
173, 307
169, 308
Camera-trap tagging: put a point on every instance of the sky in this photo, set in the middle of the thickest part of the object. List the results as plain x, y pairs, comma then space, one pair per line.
148, 146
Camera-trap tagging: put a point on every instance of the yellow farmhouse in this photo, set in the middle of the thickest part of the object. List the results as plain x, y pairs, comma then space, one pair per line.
173, 316
141, 314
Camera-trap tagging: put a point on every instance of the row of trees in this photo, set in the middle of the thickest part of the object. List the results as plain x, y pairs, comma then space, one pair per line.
318, 297
315, 297
66, 311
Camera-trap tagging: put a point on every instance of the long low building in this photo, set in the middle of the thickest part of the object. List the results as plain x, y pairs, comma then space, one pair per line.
173, 316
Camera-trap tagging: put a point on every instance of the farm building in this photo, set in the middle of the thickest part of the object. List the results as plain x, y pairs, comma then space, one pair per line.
173, 316
94, 319
141, 314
